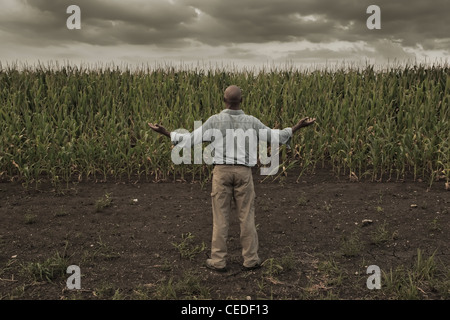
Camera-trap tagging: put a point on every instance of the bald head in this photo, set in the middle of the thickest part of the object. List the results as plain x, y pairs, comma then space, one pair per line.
233, 96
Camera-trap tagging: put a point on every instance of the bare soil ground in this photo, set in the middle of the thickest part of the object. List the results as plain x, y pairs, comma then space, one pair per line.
311, 233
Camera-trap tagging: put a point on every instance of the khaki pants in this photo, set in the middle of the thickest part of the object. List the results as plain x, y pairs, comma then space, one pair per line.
233, 182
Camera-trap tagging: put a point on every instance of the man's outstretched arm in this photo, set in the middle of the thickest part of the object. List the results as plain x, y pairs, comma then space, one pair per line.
193, 138
160, 129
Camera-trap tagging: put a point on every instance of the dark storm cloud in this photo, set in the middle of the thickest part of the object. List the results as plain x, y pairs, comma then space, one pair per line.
181, 24
103, 22
234, 21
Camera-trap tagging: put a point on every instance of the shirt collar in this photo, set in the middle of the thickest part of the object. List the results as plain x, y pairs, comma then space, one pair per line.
233, 112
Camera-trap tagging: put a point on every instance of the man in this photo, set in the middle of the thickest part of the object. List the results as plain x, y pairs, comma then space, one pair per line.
232, 176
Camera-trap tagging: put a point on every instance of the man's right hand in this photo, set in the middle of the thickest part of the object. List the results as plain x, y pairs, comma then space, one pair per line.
305, 122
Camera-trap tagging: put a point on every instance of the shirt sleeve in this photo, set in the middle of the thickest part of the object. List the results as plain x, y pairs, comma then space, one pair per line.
184, 138
284, 135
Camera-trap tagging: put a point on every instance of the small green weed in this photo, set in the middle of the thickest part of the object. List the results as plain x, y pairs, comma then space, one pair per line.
351, 246
49, 270
103, 202
186, 247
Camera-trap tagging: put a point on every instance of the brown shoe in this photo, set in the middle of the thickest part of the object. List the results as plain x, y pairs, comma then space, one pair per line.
255, 267
212, 267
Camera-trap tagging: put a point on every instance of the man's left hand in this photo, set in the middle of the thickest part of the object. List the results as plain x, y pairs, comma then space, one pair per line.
160, 129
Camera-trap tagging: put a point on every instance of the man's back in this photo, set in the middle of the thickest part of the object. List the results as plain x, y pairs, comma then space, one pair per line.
234, 137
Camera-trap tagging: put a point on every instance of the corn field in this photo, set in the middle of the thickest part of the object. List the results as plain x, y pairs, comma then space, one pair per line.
73, 123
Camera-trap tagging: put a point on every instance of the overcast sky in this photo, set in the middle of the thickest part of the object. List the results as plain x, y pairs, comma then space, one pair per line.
225, 32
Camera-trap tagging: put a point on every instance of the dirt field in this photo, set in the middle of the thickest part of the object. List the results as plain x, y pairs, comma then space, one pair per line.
150, 240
